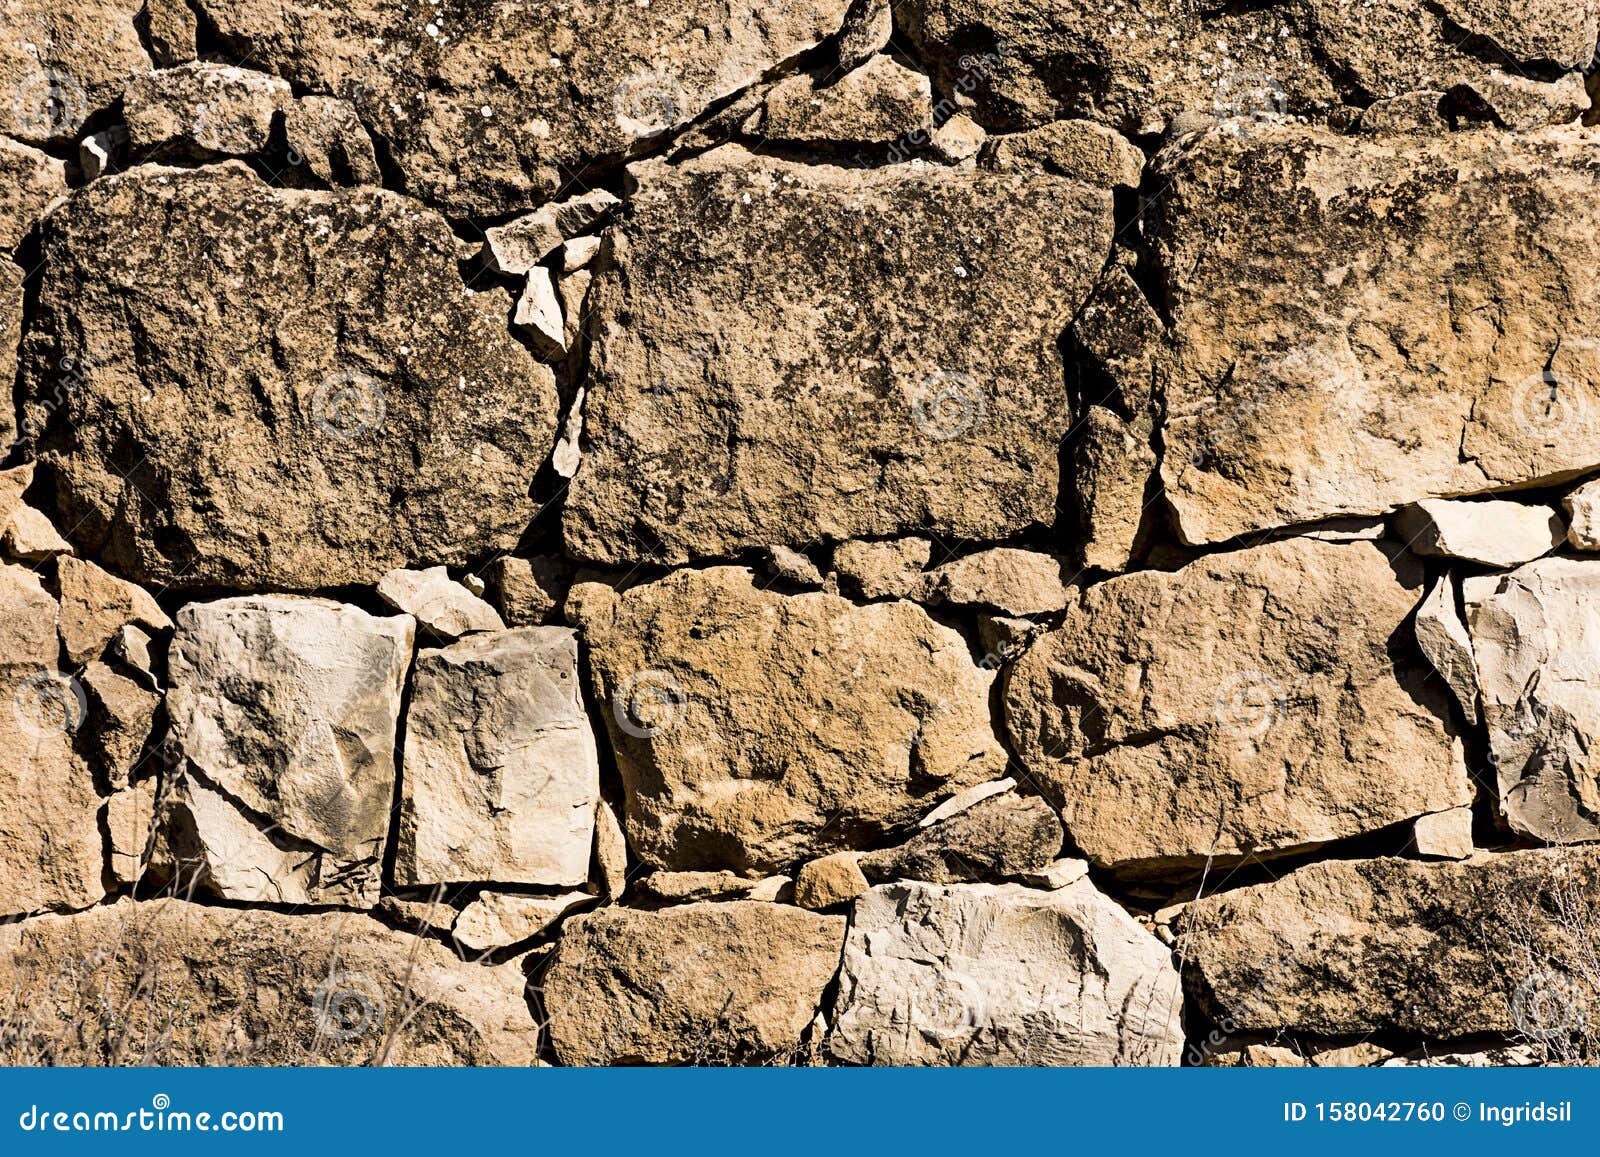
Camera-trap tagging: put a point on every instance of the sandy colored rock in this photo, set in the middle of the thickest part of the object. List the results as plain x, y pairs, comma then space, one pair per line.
254, 987
500, 919
501, 773
1248, 704
1444, 835
1359, 946
121, 714
1583, 511
440, 605
831, 880
96, 605
1335, 379
1497, 534
50, 845
1113, 465
289, 705
867, 29
1082, 150
1535, 639
30, 182
966, 798
1521, 103
878, 570
329, 138
538, 316
62, 63
172, 29
1018, 582
483, 110
876, 103
935, 400
1002, 837
29, 537
1056, 875
360, 410
130, 814
1022, 62
754, 729
11, 321
1444, 642
682, 887
959, 139
518, 246
528, 591
983, 974
702, 983
610, 851
215, 109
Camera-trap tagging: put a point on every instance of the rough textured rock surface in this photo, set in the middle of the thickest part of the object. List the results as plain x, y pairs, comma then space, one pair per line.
252, 987
357, 411
440, 605
1005, 836
483, 109
1357, 946
30, 182
707, 983
501, 776
62, 63
819, 389
755, 729
878, 102
1535, 640
980, 974
1499, 534
1249, 703
204, 107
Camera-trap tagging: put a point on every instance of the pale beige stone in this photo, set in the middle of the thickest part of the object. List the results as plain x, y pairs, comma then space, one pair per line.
538, 314
96, 605
440, 605
1017, 582
1060, 874
13, 483
995, 840
959, 139
876, 103
831, 880
1445, 643
172, 30
983, 974
963, 800
718, 983
214, 108
30, 183
1079, 149
130, 815
120, 719
610, 851
497, 920
877, 570
501, 773
1444, 835
1498, 534
30, 537
519, 246
1583, 510
1249, 704
755, 729
528, 591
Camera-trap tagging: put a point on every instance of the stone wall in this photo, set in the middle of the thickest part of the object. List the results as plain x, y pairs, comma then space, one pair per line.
820, 532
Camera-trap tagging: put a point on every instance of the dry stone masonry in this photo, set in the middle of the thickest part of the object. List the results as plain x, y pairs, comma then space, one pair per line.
843, 532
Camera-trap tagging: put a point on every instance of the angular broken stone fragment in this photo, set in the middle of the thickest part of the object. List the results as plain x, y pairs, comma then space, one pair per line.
254, 987
484, 110
129, 814
1445, 643
440, 605
735, 402
876, 103
286, 708
538, 314
877, 570
96, 605
1438, 950
328, 136
867, 29
501, 773
959, 139
51, 856
984, 974
830, 880
118, 723
1583, 512
1056, 875
517, 247
1335, 379
212, 108
755, 729
360, 410
1499, 534
1251, 703
97, 152
11, 321
30, 182
1003, 837
578, 252
610, 851
171, 27
680, 887
1536, 642
1026, 62
963, 800
1444, 835
500, 919
731, 983
529, 591
61, 63
1018, 582
1082, 150
29, 537
1520, 103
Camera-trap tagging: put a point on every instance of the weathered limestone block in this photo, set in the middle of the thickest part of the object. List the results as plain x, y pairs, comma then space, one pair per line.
129, 817
357, 410
877, 570
528, 591
1018, 582
1447, 646
833, 879
210, 108
1498, 534
482, 108
1417, 339
10, 334
62, 62
1082, 150
754, 729
790, 353
95, 606
30, 182
172, 28
1249, 703
1583, 509
31, 537
440, 605
1536, 642
285, 709
1444, 835
497, 920
867, 29
254, 987
878, 102
120, 718
516, 247
501, 774
983, 974
1356, 946
50, 845
328, 136
736, 982
1132, 66
1005, 836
